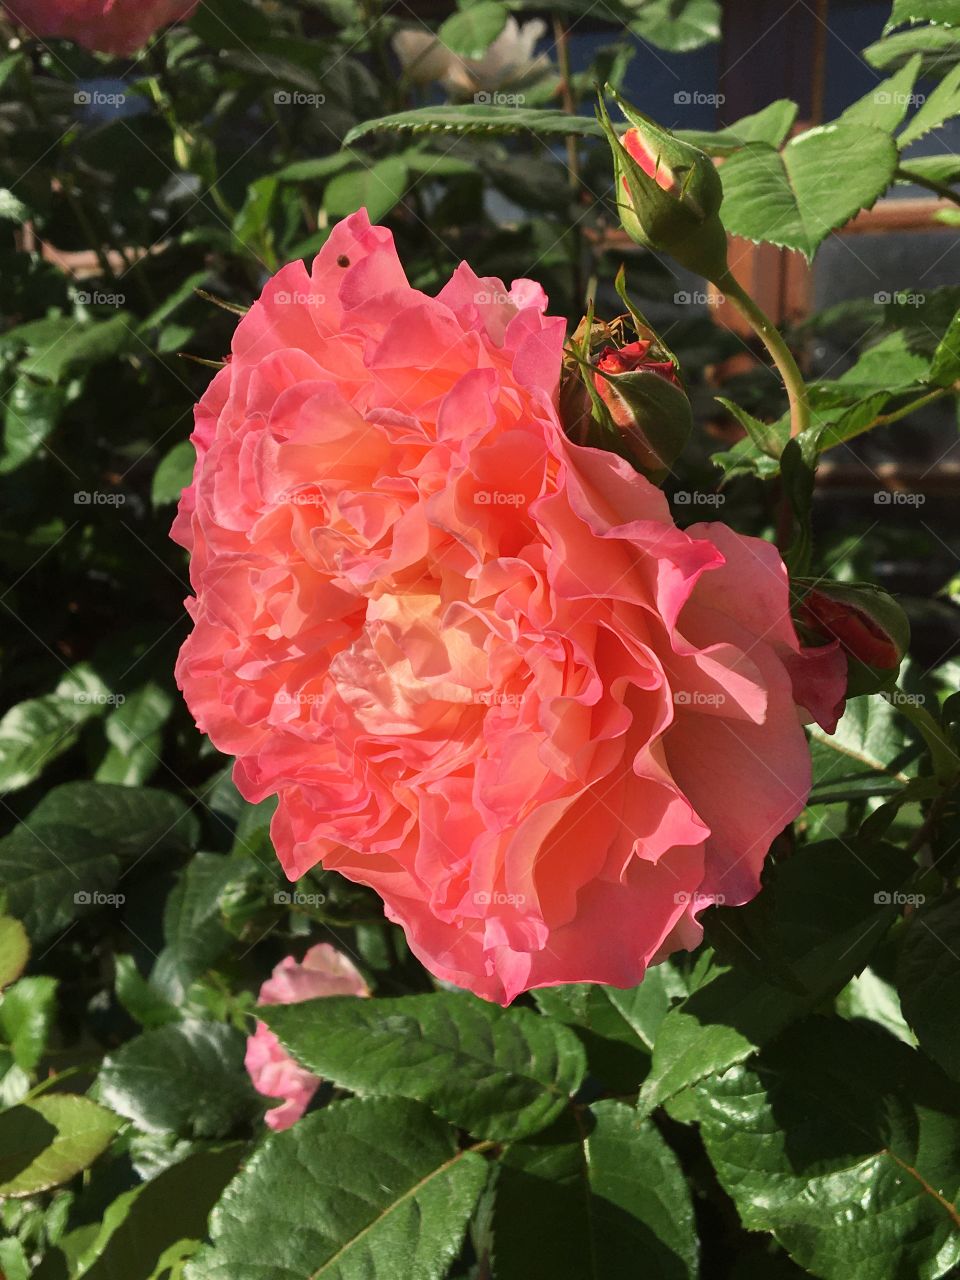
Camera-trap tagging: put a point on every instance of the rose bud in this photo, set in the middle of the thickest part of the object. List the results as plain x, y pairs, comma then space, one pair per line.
669, 193
870, 626
635, 403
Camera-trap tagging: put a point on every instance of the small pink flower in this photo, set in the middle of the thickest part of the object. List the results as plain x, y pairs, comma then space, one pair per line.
324, 971
480, 666
108, 26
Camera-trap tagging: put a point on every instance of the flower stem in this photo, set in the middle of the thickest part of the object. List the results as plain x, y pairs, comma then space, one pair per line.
780, 353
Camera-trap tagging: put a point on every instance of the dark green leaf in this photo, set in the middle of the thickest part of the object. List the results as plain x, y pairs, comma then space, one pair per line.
363, 1188
771, 125
14, 950
471, 31
479, 118
27, 1010
174, 472
678, 25
498, 1073
589, 1198
31, 411
841, 1142
377, 188
185, 1078
928, 979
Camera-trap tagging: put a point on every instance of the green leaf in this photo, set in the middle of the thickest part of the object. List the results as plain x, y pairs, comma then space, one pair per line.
27, 1010
498, 1073
945, 168
781, 197
842, 1143
479, 118
945, 369
193, 927
82, 344
141, 1000
942, 105
35, 732
47, 1141
141, 1225
771, 125
910, 11
72, 848
938, 46
928, 975
13, 1260
31, 412
313, 169
870, 996
174, 472
377, 188
14, 950
794, 946
678, 26
617, 1027
138, 717
885, 106
588, 1199
872, 746
185, 1078
767, 436
360, 1189
471, 31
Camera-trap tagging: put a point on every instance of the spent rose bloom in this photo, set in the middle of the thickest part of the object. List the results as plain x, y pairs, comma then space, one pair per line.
108, 26
324, 971
480, 666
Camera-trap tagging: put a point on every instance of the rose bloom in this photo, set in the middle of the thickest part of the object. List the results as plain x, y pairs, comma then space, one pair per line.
324, 971
108, 26
480, 666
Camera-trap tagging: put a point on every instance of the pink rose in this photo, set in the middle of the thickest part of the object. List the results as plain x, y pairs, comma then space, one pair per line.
480, 666
109, 26
323, 972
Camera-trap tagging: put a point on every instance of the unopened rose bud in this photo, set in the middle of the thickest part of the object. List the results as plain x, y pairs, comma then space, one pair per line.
668, 193
636, 405
870, 626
